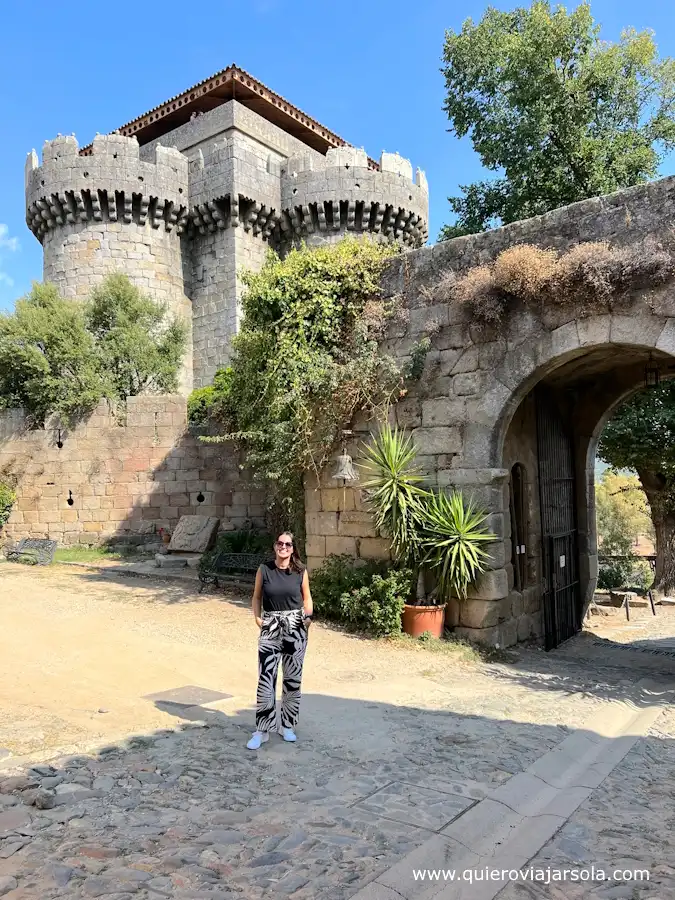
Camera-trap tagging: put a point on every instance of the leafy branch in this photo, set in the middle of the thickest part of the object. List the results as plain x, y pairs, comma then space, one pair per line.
306, 360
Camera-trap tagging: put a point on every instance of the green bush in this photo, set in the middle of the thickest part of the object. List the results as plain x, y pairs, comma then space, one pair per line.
642, 576
7, 501
377, 607
210, 402
367, 597
337, 576
199, 405
627, 572
613, 574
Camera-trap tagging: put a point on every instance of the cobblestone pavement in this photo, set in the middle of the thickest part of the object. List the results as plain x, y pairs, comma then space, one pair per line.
629, 821
394, 744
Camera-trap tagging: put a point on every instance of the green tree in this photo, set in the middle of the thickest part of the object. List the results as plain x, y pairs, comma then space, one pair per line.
48, 360
622, 512
622, 516
138, 345
558, 113
641, 436
63, 356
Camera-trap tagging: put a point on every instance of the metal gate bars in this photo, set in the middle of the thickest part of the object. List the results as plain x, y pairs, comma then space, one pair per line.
557, 495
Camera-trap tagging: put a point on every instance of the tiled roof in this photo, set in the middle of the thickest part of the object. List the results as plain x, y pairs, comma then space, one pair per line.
231, 83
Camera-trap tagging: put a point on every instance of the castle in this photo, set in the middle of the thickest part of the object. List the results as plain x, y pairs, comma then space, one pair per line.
184, 197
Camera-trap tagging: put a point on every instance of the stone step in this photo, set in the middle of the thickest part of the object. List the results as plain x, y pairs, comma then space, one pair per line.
177, 560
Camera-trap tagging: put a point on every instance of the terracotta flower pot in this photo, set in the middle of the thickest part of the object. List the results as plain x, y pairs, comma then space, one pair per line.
418, 619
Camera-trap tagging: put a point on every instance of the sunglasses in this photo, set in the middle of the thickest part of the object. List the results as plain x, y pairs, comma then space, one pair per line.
285, 544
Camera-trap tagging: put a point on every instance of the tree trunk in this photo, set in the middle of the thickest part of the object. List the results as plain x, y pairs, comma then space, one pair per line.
655, 486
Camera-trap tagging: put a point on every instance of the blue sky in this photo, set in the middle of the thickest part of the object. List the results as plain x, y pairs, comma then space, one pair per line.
367, 70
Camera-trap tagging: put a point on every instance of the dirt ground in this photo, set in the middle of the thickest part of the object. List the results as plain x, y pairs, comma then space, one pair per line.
80, 652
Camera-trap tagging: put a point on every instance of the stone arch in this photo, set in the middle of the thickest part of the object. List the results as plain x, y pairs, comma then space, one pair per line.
531, 362
586, 378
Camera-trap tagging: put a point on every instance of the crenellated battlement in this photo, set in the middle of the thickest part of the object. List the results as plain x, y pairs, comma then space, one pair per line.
183, 210
230, 187
111, 185
341, 192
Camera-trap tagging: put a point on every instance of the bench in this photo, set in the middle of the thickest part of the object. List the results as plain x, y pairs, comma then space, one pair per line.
225, 566
34, 551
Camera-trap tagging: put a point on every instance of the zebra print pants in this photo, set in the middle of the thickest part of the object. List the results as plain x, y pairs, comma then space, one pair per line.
283, 637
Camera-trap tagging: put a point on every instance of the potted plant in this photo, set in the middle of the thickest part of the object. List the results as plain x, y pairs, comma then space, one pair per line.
452, 539
396, 495
432, 532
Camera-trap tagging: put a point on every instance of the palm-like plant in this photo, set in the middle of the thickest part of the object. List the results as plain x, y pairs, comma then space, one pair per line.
395, 490
451, 541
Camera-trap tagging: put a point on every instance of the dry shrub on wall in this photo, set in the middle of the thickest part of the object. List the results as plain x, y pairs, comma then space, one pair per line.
524, 271
649, 262
477, 288
591, 275
587, 274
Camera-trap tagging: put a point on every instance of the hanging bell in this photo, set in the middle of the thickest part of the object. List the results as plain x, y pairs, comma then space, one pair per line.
344, 469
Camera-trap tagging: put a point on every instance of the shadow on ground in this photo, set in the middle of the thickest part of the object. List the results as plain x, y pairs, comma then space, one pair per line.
191, 813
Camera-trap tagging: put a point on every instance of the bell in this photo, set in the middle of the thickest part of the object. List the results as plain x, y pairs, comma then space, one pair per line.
344, 470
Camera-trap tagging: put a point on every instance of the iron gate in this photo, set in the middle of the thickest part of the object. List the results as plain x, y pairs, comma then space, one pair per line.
557, 490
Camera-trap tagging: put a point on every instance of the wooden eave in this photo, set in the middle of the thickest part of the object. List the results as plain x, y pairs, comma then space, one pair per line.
231, 83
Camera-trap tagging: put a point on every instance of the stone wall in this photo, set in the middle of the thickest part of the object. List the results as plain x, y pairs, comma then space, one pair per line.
465, 411
127, 479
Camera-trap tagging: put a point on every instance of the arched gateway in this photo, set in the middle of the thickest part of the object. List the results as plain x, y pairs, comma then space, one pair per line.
511, 411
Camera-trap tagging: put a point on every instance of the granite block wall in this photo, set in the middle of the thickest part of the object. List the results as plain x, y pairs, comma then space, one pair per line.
470, 413
127, 477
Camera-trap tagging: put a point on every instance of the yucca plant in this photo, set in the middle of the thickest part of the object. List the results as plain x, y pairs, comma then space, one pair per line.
452, 542
395, 490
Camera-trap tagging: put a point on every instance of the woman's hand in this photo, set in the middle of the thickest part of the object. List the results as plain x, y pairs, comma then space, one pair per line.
258, 621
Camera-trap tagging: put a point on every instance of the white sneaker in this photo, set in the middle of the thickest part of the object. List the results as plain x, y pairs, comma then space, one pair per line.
288, 735
257, 738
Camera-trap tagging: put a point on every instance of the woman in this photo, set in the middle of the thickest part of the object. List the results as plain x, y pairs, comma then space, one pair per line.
282, 606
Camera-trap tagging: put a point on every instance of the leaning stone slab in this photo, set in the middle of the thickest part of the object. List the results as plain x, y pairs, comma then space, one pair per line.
618, 598
194, 534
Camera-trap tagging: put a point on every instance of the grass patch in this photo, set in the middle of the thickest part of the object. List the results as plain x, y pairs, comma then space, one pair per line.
93, 554
456, 648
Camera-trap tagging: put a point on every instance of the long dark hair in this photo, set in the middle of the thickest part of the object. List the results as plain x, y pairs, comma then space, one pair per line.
296, 564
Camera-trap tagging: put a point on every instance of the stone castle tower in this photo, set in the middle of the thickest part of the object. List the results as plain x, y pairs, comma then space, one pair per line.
186, 196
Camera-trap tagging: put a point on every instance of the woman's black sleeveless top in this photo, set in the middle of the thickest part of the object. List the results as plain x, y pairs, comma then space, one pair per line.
281, 588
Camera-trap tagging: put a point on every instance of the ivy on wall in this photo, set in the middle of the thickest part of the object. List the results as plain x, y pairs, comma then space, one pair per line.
306, 360
7, 498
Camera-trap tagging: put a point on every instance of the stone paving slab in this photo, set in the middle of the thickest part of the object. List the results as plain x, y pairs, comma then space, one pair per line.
415, 805
509, 827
